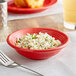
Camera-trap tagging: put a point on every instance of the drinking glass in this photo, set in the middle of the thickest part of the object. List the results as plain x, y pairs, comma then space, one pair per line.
69, 7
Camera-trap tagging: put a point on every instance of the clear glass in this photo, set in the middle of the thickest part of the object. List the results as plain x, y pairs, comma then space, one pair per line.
69, 7
3, 14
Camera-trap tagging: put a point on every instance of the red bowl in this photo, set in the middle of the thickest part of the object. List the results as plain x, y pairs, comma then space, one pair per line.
14, 9
37, 54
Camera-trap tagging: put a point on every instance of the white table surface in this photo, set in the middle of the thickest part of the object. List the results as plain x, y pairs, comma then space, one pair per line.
62, 64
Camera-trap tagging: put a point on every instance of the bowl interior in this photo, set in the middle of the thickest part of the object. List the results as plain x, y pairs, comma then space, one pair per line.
54, 33
46, 3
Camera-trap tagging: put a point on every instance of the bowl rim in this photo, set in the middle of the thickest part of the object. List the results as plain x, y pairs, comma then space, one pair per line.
36, 50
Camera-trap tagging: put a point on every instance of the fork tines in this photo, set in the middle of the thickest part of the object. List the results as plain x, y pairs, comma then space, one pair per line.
4, 59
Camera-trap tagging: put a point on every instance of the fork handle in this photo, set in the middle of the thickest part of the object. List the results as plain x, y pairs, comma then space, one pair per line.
18, 65
31, 70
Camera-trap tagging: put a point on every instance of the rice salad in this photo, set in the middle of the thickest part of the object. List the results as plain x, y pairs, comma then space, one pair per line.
37, 41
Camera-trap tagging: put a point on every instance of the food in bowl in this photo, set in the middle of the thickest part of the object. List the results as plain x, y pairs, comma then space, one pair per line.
37, 41
20, 3
29, 3
34, 3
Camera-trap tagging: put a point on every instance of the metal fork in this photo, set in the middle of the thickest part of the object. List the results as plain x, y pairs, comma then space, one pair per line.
6, 61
